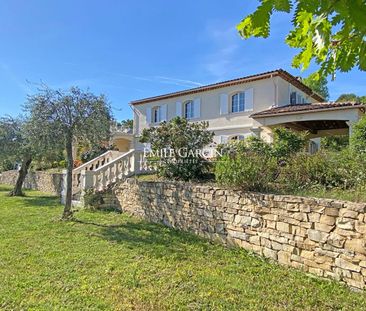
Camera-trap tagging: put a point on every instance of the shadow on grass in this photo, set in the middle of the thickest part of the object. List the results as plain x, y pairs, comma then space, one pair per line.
153, 239
40, 201
5, 188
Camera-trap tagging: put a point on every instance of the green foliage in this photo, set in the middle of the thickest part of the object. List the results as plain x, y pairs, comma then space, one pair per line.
184, 138
284, 167
358, 137
14, 140
343, 170
335, 143
128, 123
351, 98
287, 142
58, 118
247, 171
251, 144
331, 33
318, 85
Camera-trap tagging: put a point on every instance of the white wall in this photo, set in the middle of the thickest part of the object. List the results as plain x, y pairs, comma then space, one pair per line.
266, 93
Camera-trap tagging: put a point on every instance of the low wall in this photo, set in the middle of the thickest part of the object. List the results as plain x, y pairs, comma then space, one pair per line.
38, 180
324, 237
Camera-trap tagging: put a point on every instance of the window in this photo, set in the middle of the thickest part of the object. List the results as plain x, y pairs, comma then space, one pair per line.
238, 102
237, 137
189, 110
156, 114
293, 98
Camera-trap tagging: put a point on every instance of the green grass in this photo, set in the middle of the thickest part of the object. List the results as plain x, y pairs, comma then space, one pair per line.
108, 261
354, 195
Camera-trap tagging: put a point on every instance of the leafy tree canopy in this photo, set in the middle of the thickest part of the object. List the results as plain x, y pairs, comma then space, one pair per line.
351, 97
318, 85
329, 32
60, 118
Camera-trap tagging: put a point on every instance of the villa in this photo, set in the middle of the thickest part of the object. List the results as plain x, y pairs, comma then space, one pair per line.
250, 105
234, 109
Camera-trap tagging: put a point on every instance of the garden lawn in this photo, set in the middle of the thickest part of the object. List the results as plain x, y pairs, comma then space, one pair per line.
108, 261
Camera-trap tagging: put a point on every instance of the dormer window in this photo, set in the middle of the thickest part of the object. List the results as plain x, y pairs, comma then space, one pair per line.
238, 102
189, 110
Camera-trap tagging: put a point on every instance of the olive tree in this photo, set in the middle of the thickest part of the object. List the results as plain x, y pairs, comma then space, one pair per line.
15, 147
60, 117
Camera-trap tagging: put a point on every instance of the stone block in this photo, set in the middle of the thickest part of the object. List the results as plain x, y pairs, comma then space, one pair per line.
284, 257
331, 211
341, 263
360, 227
328, 220
254, 240
284, 227
356, 245
323, 227
269, 253
314, 217
318, 236
346, 223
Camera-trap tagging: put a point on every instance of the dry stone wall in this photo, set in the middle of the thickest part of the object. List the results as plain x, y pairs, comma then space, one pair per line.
42, 181
321, 236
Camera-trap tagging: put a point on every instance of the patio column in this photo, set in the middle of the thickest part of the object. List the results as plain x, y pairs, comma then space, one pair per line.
350, 124
256, 131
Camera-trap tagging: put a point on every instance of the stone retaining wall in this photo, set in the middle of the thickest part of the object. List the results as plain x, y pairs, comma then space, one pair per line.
38, 180
321, 236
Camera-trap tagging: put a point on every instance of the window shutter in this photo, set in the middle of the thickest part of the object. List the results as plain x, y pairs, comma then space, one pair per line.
249, 99
224, 104
163, 113
178, 109
148, 115
197, 108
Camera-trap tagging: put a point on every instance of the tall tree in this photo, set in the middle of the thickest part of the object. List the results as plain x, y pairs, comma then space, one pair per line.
16, 147
60, 117
351, 97
329, 32
319, 85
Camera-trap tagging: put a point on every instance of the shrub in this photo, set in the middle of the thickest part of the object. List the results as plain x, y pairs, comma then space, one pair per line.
358, 137
248, 171
343, 169
335, 143
183, 141
287, 142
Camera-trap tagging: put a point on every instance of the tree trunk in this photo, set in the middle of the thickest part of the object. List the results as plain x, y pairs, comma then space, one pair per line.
70, 166
17, 191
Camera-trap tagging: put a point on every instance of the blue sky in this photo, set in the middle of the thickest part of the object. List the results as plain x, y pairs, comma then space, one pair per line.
134, 49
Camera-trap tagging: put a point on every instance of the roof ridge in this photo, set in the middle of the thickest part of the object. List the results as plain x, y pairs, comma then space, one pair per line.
264, 75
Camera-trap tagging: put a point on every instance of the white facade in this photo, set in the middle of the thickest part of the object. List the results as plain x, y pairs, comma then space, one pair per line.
226, 108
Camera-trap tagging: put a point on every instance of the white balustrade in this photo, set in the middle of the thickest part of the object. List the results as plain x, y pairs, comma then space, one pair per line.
109, 168
92, 165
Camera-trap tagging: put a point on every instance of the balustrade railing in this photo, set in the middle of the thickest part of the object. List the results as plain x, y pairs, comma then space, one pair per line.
107, 169
92, 165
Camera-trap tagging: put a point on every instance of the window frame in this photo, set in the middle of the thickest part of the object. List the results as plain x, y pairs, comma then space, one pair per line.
156, 111
191, 110
240, 95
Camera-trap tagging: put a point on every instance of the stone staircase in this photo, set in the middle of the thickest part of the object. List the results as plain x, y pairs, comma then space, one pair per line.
103, 171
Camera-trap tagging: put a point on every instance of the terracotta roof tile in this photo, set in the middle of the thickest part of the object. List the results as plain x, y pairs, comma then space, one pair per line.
265, 75
288, 109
